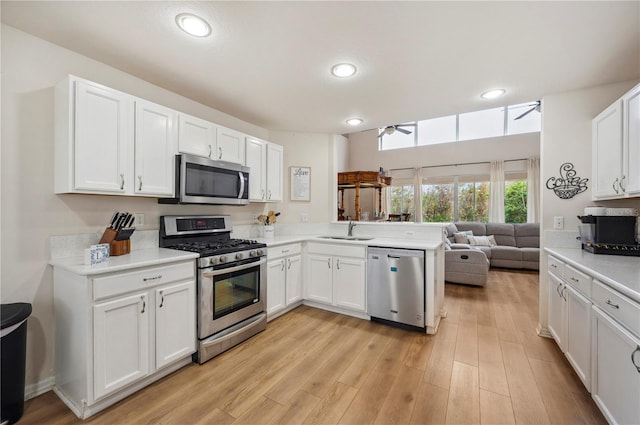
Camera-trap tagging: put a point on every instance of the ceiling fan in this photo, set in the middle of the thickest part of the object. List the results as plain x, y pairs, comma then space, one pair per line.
390, 129
536, 107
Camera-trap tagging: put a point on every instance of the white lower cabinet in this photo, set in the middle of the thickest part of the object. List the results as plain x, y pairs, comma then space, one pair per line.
557, 311
616, 370
578, 337
284, 278
336, 275
117, 332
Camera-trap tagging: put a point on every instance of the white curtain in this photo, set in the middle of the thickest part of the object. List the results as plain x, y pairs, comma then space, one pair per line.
533, 190
496, 192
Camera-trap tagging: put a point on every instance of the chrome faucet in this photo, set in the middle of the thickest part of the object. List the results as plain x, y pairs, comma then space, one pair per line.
350, 230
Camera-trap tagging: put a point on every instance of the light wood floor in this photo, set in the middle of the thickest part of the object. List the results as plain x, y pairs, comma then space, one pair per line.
486, 365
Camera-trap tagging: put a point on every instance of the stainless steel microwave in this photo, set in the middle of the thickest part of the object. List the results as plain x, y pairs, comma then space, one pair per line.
200, 180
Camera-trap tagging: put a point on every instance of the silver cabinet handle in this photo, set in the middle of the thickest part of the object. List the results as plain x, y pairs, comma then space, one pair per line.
139, 182
558, 289
161, 298
282, 265
144, 304
269, 194
338, 264
329, 262
563, 293
210, 151
220, 152
147, 279
608, 302
623, 187
614, 185
262, 193
121, 181
633, 360
288, 263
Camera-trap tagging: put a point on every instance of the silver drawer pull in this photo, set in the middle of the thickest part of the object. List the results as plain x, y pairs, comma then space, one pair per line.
574, 279
284, 251
554, 266
147, 279
608, 302
633, 360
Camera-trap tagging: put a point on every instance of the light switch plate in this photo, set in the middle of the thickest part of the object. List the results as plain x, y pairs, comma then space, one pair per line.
558, 222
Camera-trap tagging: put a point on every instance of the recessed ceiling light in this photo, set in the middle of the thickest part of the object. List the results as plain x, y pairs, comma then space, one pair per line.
493, 93
343, 70
354, 121
193, 25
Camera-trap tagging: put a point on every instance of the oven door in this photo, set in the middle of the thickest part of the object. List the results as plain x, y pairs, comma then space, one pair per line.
230, 294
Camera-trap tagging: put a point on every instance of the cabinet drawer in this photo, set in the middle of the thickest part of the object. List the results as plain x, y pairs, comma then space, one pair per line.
617, 305
283, 251
141, 279
337, 250
555, 266
578, 280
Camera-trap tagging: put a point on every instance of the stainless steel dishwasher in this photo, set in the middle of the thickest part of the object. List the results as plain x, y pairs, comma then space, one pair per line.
395, 287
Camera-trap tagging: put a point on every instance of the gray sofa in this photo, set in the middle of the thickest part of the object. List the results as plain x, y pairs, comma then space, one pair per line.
517, 246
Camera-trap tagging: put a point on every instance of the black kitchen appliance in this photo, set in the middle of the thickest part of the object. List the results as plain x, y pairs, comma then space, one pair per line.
231, 280
613, 235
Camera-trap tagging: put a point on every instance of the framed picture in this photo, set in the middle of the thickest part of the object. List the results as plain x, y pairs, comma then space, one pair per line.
300, 178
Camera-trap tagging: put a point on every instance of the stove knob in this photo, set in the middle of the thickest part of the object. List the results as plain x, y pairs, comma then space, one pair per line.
213, 261
252, 253
259, 252
239, 256
223, 258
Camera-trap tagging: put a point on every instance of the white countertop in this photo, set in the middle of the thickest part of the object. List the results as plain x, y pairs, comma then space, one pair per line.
619, 272
377, 241
137, 258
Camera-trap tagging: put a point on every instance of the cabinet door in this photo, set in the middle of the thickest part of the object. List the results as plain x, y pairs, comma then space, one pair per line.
102, 139
631, 136
349, 283
230, 146
175, 322
256, 160
276, 285
320, 278
154, 149
275, 164
196, 136
607, 152
120, 343
579, 335
616, 370
294, 279
557, 311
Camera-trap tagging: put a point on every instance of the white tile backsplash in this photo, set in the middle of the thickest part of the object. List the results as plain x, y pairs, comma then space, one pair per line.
74, 245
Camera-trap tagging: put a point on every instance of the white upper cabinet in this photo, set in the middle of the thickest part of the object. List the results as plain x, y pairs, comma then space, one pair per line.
275, 172
230, 145
616, 149
108, 142
196, 136
155, 140
265, 160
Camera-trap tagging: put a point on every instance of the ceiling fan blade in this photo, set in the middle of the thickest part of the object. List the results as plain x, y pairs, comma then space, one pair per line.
526, 113
402, 130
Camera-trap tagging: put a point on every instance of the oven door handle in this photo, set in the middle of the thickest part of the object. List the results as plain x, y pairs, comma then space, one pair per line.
212, 273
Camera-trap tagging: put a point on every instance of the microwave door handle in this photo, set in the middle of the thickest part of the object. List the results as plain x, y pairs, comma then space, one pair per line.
241, 184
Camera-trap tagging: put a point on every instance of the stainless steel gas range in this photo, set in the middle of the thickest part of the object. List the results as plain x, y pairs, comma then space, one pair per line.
231, 280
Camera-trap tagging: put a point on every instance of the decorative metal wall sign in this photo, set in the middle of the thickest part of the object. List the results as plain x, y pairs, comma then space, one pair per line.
568, 184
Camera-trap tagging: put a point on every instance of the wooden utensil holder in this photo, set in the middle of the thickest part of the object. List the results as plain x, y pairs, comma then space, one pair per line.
115, 247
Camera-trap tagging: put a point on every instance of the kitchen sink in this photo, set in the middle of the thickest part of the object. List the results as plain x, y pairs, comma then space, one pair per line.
347, 238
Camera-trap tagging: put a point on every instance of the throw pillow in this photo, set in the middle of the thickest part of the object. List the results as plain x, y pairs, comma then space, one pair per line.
462, 237
451, 230
482, 240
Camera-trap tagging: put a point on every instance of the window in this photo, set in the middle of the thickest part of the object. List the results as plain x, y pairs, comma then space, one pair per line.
494, 122
473, 200
402, 199
515, 201
437, 202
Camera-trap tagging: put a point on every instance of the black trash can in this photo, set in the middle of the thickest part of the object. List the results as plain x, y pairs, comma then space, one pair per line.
13, 352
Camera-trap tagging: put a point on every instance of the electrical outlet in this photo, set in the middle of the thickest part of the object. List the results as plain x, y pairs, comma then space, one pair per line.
409, 233
138, 219
304, 217
558, 222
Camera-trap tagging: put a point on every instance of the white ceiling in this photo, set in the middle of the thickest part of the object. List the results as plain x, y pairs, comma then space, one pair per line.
268, 62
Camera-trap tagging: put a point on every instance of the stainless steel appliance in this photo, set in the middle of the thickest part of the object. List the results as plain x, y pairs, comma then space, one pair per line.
396, 287
200, 180
231, 280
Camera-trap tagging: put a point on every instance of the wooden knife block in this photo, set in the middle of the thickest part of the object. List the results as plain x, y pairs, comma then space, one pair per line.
115, 247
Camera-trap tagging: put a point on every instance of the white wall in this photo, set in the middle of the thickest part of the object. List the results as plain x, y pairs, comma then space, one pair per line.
566, 137
31, 212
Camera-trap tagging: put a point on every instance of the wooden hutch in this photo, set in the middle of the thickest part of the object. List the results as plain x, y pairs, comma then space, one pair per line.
360, 180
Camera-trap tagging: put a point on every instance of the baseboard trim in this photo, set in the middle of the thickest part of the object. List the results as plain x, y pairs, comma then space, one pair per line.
39, 388
542, 331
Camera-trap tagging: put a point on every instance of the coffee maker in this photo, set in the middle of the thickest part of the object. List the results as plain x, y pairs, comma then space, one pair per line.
609, 234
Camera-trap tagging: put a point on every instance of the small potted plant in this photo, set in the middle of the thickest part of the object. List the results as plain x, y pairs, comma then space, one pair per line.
268, 221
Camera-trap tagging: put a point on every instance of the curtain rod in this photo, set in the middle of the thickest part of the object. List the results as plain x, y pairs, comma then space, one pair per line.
455, 165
